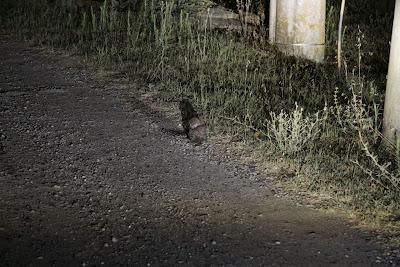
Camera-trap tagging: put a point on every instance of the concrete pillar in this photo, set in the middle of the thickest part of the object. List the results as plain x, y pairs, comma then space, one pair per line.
300, 27
391, 120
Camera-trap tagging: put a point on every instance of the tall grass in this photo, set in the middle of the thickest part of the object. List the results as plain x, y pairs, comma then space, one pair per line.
326, 120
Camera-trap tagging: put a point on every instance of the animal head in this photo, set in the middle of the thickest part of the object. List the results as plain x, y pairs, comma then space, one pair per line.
187, 109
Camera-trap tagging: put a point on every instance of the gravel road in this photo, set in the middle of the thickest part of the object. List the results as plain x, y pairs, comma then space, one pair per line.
88, 177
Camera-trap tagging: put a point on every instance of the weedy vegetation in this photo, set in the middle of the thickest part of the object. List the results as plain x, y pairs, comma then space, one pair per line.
326, 123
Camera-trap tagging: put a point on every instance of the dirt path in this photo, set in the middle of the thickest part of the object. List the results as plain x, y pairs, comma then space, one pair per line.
87, 177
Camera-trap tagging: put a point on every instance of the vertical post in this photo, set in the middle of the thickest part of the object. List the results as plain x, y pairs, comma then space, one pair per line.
391, 119
300, 28
272, 21
340, 35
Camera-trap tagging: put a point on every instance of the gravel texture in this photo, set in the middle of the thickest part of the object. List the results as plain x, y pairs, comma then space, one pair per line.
90, 177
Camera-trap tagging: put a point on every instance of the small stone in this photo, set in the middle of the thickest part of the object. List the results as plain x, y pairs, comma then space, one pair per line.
114, 240
214, 242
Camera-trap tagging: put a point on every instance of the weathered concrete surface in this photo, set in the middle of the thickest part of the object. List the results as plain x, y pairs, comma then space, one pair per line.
391, 118
88, 177
220, 18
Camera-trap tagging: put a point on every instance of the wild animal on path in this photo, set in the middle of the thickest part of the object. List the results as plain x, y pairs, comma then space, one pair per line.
195, 128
